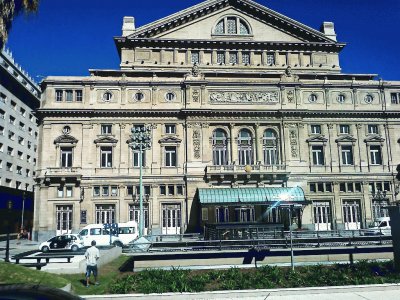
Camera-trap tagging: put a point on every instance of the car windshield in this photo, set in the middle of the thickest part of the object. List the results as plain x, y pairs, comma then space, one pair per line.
374, 224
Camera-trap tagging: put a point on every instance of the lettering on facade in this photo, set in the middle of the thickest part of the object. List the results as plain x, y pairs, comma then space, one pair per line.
271, 97
196, 143
293, 143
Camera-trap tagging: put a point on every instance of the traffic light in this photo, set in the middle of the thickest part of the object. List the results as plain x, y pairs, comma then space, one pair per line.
398, 172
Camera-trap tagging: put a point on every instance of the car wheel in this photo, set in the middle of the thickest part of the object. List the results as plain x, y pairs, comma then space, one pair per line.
74, 248
45, 249
118, 244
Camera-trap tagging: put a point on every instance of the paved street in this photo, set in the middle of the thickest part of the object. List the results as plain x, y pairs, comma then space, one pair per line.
17, 247
370, 292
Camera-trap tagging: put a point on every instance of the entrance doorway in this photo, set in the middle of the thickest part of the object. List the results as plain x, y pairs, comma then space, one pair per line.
322, 215
351, 214
171, 219
64, 219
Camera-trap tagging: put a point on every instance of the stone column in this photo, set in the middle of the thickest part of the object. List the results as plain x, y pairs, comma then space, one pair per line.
233, 156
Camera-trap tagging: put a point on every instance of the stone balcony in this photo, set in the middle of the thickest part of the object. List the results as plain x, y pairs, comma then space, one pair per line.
258, 172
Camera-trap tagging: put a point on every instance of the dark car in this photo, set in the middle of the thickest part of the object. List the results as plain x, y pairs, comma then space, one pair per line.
62, 242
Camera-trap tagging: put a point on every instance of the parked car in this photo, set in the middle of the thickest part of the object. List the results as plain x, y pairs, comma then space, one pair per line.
127, 232
380, 226
62, 242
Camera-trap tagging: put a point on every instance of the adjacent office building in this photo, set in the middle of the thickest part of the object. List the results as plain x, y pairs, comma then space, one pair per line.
19, 97
249, 111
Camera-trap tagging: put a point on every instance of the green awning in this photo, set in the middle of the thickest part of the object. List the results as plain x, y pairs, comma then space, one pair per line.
268, 195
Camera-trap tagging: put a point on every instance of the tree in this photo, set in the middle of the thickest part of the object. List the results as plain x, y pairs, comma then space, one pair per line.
11, 8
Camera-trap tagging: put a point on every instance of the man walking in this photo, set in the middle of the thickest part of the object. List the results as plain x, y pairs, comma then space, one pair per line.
92, 255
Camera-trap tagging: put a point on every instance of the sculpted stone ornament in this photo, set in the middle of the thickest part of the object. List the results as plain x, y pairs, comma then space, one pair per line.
195, 70
290, 96
196, 95
288, 75
270, 97
196, 143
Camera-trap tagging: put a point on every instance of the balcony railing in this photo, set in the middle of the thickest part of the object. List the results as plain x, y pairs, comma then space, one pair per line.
227, 169
71, 171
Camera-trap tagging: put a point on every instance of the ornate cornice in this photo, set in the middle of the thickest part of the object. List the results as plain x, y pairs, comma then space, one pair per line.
66, 139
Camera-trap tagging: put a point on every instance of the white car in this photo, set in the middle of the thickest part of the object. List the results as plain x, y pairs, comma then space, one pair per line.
72, 242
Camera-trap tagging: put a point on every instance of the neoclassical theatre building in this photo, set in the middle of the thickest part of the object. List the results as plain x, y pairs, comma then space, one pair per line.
248, 110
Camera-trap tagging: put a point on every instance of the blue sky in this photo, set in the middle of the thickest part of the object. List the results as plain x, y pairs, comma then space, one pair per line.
68, 37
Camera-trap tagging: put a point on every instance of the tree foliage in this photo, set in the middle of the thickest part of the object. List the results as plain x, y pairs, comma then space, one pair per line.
11, 8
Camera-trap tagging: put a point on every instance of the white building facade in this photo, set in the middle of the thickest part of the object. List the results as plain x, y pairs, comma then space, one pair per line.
243, 103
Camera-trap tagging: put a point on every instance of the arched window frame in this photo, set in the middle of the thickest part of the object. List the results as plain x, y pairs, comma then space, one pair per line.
238, 21
270, 147
220, 150
246, 147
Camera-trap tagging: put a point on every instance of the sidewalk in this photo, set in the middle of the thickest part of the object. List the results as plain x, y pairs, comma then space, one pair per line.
363, 292
17, 246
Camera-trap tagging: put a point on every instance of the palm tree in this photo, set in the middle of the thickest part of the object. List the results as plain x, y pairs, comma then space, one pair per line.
8, 10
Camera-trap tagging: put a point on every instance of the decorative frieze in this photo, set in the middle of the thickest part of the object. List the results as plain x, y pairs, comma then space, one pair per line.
268, 97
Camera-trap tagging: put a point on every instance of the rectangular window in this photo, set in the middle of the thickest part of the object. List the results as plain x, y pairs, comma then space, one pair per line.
171, 190
328, 187
246, 58
315, 129
233, 58
162, 190
10, 151
83, 216
195, 57
105, 214
96, 191
170, 129
19, 170
395, 98
13, 105
59, 95
342, 187
60, 192
114, 191
373, 129
22, 111
106, 129
66, 157
12, 120
347, 155
105, 190
2, 114
78, 96
106, 157
9, 167
68, 190
179, 190
344, 129
317, 155
136, 158
20, 140
313, 187
221, 58
20, 155
357, 186
375, 155
69, 95
170, 156
270, 59
11, 135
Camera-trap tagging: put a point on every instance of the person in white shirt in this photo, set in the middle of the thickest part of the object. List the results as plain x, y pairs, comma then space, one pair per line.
92, 254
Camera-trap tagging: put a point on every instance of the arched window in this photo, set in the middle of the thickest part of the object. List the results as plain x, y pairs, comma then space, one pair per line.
232, 25
220, 147
245, 147
270, 148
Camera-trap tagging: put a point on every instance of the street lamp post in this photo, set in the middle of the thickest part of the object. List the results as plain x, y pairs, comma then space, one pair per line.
141, 140
9, 207
23, 210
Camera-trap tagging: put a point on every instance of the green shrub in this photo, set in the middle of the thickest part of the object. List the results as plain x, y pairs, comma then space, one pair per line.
178, 280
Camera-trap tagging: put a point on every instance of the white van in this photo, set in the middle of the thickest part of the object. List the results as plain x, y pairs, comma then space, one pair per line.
127, 232
380, 226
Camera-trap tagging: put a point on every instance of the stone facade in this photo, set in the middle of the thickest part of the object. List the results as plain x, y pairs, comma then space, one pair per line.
236, 95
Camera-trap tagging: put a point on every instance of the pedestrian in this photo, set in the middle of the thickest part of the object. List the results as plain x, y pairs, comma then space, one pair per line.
92, 254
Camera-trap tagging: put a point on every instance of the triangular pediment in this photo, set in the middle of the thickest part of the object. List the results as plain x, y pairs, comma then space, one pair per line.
65, 139
106, 140
317, 139
345, 138
170, 139
198, 22
374, 138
